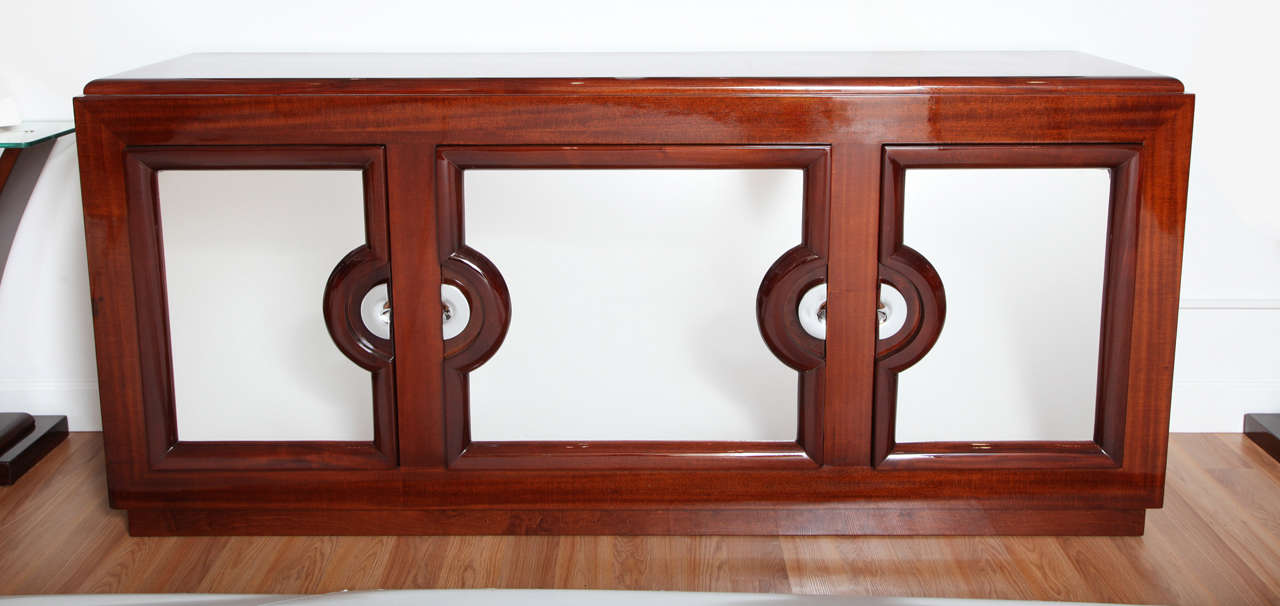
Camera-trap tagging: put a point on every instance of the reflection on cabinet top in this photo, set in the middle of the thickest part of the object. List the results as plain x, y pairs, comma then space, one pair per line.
637, 73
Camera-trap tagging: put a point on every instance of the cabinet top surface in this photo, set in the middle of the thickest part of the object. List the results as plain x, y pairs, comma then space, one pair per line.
570, 73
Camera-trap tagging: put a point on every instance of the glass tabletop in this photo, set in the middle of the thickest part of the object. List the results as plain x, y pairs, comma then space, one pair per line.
27, 134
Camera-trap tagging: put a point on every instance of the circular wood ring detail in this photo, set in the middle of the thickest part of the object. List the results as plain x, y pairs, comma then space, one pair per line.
486, 292
795, 272
358, 272
920, 285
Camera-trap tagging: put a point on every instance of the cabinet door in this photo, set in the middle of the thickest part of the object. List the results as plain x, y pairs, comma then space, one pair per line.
632, 306
269, 277
1005, 296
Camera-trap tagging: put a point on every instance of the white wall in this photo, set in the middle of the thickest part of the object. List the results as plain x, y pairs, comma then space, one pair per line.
1017, 358
252, 358
633, 303
1227, 362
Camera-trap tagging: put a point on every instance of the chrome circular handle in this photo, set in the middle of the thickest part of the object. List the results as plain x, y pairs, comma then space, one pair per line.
375, 311
455, 311
812, 311
891, 311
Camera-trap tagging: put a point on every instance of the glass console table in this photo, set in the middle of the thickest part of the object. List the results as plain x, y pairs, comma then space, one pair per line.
724, 293
25, 438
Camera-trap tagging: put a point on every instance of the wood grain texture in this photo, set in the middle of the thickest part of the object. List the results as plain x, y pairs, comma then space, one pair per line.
612, 73
654, 86
417, 279
913, 276
636, 125
780, 290
633, 455
1217, 541
621, 521
351, 278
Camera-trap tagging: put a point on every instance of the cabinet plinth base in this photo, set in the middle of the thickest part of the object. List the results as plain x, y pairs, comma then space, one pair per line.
776, 521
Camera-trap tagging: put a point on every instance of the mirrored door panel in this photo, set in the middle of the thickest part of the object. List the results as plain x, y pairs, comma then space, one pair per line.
247, 256
1021, 256
633, 298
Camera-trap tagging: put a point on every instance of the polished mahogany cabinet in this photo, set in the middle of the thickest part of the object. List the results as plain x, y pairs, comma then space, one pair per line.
407, 131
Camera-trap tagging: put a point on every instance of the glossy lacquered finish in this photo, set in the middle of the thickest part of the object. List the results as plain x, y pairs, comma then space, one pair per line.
352, 277
796, 270
728, 73
13, 426
842, 474
922, 287
25, 439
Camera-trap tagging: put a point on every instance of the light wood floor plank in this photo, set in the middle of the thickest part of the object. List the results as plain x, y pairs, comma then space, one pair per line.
1217, 541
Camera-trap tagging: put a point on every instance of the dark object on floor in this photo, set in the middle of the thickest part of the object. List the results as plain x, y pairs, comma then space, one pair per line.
25, 439
1264, 430
13, 426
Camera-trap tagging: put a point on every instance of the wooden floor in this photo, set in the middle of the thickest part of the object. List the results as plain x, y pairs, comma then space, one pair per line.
1217, 540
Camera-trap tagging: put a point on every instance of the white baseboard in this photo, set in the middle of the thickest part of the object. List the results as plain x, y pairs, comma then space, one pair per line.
76, 399
1211, 406
1228, 363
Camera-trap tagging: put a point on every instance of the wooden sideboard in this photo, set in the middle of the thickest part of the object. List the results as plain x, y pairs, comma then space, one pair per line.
852, 122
